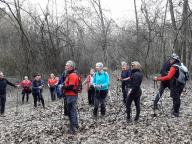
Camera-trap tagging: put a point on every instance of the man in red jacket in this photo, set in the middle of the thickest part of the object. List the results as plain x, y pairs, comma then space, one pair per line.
70, 91
175, 86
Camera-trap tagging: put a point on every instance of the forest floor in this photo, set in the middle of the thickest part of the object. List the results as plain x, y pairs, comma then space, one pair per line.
26, 125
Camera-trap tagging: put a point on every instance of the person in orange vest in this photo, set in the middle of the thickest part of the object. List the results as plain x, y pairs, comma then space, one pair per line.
26, 85
90, 88
52, 83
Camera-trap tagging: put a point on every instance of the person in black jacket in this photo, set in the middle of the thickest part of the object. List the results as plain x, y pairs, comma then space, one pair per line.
37, 89
135, 93
164, 84
125, 74
3, 85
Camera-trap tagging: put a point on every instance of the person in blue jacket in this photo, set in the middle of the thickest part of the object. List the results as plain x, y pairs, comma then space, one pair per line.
101, 84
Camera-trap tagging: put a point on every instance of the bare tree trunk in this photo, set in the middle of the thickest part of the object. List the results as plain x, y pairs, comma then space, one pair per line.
104, 34
184, 30
189, 65
136, 19
175, 47
162, 33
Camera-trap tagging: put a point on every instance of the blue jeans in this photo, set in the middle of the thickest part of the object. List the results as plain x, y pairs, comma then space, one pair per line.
72, 111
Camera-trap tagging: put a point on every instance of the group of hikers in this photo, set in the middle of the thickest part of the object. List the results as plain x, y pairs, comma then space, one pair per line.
69, 85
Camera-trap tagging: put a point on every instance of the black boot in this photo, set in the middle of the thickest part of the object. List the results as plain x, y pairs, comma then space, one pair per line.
95, 113
136, 118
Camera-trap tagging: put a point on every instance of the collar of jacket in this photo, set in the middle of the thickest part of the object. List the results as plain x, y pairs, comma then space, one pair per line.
102, 72
71, 71
135, 70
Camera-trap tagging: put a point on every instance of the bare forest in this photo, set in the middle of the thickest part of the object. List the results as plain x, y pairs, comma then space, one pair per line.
36, 38
41, 41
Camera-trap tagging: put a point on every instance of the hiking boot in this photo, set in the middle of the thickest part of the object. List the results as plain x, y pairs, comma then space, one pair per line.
136, 119
175, 114
72, 131
155, 107
129, 121
2, 115
94, 117
95, 113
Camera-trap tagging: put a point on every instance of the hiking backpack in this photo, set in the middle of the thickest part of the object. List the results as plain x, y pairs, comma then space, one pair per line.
79, 87
183, 73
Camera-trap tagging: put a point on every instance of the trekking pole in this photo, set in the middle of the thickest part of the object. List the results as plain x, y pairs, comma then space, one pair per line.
78, 112
118, 112
16, 109
48, 100
62, 107
159, 97
109, 93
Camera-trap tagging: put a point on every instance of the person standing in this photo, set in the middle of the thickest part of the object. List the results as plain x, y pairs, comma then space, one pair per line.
52, 82
3, 85
125, 75
135, 92
90, 88
36, 91
101, 84
26, 85
176, 86
71, 95
164, 84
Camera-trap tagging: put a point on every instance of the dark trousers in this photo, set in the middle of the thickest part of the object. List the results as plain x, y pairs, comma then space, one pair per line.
100, 97
125, 93
91, 95
72, 111
25, 92
133, 96
52, 91
38, 97
176, 94
163, 86
2, 103
23, 97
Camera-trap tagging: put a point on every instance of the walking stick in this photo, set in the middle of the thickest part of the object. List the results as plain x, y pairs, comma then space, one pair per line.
16, 108
62, 107
159, 97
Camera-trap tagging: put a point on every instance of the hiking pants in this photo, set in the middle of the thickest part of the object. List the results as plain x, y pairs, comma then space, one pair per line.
133, 96
163, 86
52, 91
38, 97
100, 99
72, 111
176, 94
24, 92
125, 93
2, 103
91, 95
